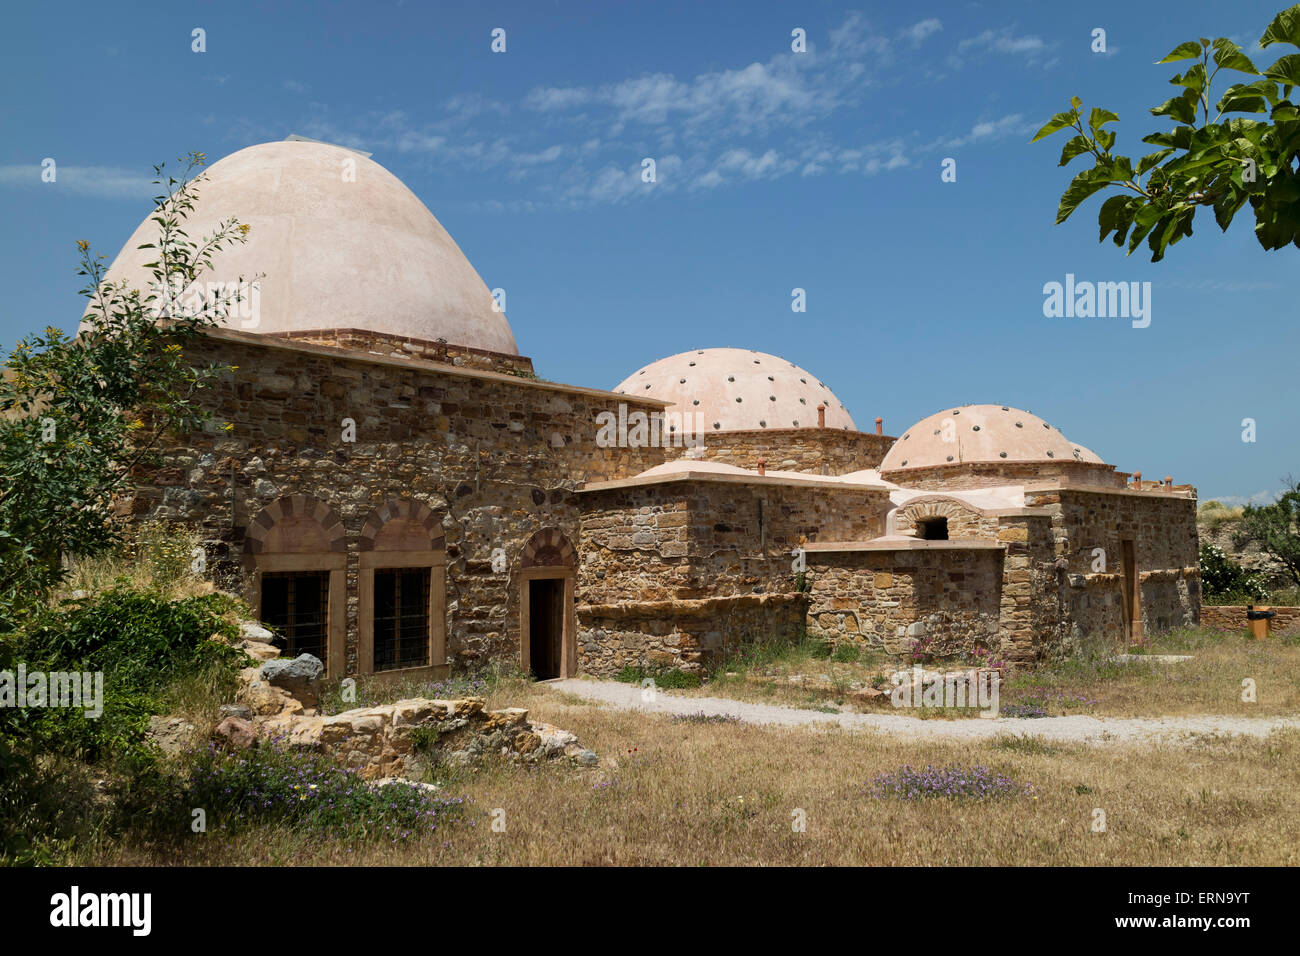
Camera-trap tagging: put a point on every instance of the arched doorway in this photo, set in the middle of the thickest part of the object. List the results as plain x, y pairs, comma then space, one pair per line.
547, 647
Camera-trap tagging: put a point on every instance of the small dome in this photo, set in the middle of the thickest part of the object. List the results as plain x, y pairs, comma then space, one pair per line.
340, 242
737, 390
982, 433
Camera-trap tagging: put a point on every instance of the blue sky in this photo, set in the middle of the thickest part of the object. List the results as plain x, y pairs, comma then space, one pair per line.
774, 171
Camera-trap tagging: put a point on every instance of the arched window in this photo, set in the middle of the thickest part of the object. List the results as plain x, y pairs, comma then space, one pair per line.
296, 550
401, 591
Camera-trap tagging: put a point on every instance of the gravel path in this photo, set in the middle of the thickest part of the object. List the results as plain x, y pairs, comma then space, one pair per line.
1073, 728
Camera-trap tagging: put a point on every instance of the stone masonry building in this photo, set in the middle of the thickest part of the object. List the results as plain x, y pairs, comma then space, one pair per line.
392, 487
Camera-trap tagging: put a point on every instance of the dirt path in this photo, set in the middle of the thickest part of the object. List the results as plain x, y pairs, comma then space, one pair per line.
1077, 728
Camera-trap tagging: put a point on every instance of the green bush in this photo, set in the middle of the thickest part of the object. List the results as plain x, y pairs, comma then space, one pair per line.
1223, 581
141, 643
846, 654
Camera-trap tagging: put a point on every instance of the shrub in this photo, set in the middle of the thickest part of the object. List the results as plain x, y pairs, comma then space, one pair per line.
272, 784
1222, 578
141, 643
846, 654
955, 782
676, 678
702, 718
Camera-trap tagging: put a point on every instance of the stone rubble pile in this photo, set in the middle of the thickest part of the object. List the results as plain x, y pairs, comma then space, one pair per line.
280, 699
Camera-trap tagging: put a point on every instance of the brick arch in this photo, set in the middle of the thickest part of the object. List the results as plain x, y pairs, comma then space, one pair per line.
905, 519
402, 525
548, 548
296, 524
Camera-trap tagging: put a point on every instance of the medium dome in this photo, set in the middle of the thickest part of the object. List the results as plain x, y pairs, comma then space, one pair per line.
334, 252
982, 433
737, 390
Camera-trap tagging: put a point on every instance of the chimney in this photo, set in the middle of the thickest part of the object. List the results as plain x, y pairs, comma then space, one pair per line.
880, 425
1169, 482
762, 466
1137, 479
821, 415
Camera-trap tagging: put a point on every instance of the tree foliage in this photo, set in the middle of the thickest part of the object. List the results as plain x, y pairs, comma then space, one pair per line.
78, 413
1222, 162
1275, 529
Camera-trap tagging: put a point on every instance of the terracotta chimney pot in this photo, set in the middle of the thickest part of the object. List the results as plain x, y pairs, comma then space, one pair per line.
821, 415
880, 425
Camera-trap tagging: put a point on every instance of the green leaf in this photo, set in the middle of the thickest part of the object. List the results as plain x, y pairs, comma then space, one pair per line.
1228, 56
1080, 188
1193, 79
1110, 216
1285, 28
1073, 147
1285, 70
1151, 160
1180, 108
1058, 122
1184, 51
1100, 117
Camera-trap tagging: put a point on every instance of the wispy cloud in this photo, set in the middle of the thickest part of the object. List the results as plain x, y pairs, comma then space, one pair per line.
1031, 50
100, 182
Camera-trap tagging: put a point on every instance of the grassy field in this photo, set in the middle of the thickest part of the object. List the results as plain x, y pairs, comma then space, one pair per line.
680, 793
1210, 683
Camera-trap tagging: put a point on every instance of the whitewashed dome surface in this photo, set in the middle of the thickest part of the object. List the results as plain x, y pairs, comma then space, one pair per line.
982, 433
333, 253
738, 390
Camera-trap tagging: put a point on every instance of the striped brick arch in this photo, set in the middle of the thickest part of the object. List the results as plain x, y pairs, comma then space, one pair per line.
401, 525
296, 524
548, 548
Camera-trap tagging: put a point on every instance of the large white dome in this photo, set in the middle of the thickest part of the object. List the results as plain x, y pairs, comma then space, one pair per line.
982, 434
738, 390
335, 252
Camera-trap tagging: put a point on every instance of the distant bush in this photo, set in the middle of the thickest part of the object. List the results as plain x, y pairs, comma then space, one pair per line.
956, 782
846, 654
1226, 582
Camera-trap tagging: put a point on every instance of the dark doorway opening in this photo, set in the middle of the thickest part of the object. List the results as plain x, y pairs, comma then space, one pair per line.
296, 604
1131, 591
545, 626
934, 529
401, 618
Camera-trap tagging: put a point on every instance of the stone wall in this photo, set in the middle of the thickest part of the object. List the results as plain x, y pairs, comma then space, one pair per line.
960, 475
402, 346
690, 551
496, 459
1163, 529
816, 451
888, 599
1232, 617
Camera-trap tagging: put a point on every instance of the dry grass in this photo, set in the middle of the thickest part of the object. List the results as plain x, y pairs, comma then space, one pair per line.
697, 794
1210, 683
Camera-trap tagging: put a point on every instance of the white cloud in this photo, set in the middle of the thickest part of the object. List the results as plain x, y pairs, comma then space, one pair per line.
918, 32
1033, 50
101, 182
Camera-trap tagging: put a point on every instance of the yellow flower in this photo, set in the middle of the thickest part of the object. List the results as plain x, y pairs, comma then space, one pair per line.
244, 228
83, 245
228, 426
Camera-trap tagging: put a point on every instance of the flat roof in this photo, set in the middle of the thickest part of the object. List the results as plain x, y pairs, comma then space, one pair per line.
664, 478
904, 544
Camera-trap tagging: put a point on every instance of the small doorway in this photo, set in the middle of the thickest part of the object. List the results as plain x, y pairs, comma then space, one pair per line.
545, 626
1131, 592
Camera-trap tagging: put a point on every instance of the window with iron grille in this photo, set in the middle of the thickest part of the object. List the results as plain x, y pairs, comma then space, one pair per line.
296, 604
401, 622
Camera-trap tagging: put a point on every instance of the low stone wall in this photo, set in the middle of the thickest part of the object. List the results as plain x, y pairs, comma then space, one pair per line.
687, 634
816, 451
1232, 617
960, 475
888, 599
403, 346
